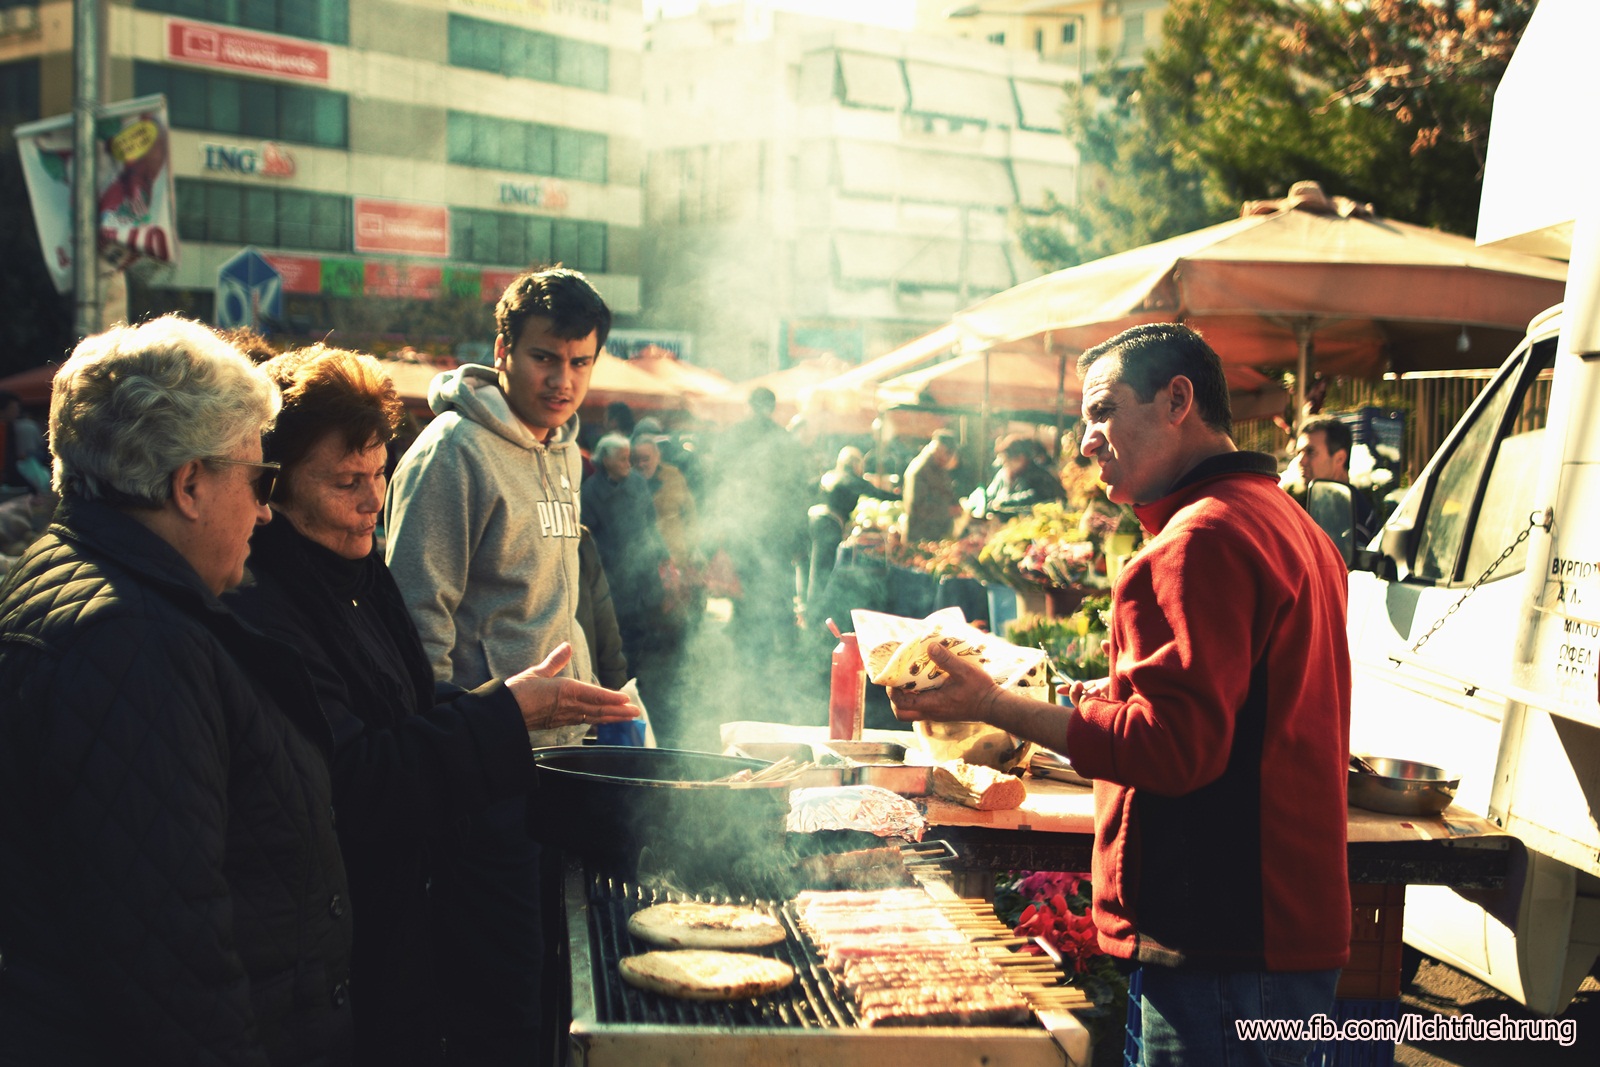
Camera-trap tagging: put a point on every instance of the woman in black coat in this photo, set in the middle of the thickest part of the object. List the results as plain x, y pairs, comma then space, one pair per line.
409, 764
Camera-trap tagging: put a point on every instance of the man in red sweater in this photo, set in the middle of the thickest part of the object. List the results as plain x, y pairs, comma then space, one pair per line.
1219, 743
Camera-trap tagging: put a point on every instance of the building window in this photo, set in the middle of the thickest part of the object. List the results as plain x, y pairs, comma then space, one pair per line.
997, 38
316, 20
519, 53
1038, 41
1133, 34
19, 93
502, 239
526, 147
228, 214
272, 111
1069, 32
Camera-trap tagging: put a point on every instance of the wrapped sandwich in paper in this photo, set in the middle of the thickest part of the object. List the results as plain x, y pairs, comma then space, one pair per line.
895, 650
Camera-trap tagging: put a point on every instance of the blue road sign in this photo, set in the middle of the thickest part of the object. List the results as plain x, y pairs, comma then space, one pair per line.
249, 291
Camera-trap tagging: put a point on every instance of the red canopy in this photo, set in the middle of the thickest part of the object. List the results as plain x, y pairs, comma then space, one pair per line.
31, 386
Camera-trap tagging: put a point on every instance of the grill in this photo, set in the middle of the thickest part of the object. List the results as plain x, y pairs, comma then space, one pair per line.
810, 1023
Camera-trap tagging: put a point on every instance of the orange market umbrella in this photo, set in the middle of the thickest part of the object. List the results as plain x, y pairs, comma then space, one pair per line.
613, 379
855, 390
32, 387
686, 378
1304, 278
791, 386
1031, 385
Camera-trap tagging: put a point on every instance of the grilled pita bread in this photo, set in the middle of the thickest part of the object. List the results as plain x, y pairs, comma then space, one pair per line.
695, 974
691, 924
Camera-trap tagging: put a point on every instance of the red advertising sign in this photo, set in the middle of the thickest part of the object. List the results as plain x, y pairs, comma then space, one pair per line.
396, 226
301, 274
494, 284
254, 53
399, 280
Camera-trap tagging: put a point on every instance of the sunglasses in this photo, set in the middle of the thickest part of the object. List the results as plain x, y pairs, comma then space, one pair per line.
264, 482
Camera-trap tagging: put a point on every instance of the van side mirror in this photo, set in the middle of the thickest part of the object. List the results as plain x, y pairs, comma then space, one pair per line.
1332, 506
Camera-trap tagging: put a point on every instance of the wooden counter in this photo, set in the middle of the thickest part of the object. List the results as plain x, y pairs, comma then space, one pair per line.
1053, 830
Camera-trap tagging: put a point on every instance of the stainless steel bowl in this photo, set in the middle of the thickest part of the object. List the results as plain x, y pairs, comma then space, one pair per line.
1402, 787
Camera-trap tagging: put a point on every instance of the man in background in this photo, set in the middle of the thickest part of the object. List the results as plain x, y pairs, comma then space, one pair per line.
931, 505
1322, 452
483, 530
1022, 483
758, 506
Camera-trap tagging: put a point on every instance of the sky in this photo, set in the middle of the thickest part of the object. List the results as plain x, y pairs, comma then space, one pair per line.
897, 13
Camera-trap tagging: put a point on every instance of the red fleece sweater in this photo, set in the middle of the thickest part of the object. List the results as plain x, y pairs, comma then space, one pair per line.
1220, 753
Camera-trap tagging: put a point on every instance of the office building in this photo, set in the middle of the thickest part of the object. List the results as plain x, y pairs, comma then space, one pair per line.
384, 155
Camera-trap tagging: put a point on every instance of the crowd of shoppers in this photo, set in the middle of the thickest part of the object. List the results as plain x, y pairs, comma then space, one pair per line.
263, 786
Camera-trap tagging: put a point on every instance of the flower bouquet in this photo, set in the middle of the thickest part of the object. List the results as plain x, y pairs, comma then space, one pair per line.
955, 559
1041, 533
1054, 907
1058, 563
1073, 644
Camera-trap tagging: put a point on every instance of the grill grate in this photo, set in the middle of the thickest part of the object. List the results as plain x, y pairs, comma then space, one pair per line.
811, 1002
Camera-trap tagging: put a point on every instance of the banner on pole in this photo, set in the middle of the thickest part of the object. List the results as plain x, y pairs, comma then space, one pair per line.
134, 209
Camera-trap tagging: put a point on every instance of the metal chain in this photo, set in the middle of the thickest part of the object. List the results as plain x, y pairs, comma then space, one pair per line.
1541, 519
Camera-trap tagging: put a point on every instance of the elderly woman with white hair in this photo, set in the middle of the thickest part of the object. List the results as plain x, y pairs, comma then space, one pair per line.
171, 888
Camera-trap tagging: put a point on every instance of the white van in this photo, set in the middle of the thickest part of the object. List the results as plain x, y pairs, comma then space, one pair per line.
1475, 612
1475, 635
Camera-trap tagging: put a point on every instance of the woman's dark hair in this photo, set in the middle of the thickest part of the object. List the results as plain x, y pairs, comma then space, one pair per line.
563, 296
328, 391
1154, 354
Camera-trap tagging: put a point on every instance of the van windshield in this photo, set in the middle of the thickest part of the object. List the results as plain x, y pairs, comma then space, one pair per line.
1489, 466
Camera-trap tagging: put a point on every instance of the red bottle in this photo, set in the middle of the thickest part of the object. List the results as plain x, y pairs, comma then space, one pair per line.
847, 693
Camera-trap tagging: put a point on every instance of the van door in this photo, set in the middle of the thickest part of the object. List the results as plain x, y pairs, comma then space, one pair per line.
1431, 668
1435, 653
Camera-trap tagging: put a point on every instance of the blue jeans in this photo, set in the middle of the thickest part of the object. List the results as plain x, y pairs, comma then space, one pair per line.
1188, 1016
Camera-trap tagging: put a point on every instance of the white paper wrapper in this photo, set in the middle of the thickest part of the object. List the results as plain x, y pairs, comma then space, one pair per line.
895, 650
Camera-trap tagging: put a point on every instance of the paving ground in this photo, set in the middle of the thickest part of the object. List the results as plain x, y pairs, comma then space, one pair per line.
1442, 990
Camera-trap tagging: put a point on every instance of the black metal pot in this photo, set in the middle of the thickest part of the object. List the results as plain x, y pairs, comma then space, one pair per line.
610, 804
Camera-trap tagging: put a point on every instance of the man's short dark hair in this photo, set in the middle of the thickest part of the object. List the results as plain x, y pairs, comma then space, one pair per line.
563, 296
1019, 446
619, 413
945, 438
1336, 436
763, 400
1152, 355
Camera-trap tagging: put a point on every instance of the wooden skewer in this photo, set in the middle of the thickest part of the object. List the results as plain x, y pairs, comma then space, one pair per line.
776, 769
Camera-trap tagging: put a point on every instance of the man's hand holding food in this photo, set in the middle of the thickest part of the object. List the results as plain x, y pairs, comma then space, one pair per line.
970, 695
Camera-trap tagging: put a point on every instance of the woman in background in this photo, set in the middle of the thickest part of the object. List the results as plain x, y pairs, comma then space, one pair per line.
408, 765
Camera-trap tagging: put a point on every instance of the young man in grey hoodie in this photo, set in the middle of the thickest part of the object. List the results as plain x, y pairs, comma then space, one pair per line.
482, 527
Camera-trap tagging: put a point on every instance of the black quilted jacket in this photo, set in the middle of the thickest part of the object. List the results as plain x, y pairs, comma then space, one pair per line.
405, 769
171, 890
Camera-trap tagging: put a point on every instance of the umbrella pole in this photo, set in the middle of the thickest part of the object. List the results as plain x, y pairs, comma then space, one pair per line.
1061, 395
1302, 373
984, 447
